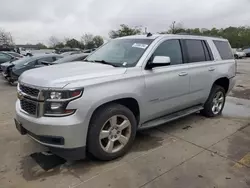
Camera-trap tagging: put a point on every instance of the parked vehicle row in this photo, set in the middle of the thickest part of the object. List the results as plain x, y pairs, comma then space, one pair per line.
9, 56
11, 70
130, 83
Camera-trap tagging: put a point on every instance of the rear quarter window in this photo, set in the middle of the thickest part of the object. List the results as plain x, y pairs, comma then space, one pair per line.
224, 49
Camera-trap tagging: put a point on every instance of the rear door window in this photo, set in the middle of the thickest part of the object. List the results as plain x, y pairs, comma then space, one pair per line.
195, 50
224, 49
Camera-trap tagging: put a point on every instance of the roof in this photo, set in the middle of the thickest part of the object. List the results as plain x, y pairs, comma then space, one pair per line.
187, 36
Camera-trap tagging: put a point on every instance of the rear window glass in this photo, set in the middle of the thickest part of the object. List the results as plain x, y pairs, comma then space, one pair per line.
224, 49
195, 50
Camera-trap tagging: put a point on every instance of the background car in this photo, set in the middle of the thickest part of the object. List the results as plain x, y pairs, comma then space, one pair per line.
70, 58
238, 53
66, 49
8, 56
28, 63
70, 53
247, 52
89, 50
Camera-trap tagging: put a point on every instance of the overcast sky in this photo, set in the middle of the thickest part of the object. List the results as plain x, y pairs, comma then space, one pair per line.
33, 21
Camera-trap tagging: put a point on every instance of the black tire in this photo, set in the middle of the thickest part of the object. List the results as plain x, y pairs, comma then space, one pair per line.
207, 111
236, 56
98, 120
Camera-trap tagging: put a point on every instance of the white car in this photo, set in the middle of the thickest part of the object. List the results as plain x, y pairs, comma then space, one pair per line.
25, 52
238, 53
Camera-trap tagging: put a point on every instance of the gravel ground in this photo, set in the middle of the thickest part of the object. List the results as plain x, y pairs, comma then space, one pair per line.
191, 152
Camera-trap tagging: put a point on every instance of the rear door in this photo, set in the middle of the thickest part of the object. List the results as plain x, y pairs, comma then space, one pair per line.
201, 65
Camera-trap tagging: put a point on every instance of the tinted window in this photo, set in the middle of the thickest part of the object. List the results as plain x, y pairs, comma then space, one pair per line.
172, 49
14, 54
5, 56
47, 59
208, 52
224, 49
195, 51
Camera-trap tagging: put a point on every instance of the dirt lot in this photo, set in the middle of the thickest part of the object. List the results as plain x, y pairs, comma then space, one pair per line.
191, 152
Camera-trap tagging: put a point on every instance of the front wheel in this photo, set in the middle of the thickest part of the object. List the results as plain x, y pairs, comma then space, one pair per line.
111, 132
215, 102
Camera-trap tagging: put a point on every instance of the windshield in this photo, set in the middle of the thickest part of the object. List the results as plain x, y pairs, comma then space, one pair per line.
24, 61
21, 61
14, 54
121, 52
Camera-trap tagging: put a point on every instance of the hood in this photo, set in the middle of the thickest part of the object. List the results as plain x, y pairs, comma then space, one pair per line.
6, 64
63, 74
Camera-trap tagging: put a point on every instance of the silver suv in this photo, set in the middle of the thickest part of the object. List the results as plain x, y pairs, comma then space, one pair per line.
130, 83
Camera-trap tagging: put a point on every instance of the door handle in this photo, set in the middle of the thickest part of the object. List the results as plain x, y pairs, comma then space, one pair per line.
211, 69
183, 74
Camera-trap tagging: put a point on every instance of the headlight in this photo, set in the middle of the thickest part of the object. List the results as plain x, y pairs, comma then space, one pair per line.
55, 95
56, 102
62, 95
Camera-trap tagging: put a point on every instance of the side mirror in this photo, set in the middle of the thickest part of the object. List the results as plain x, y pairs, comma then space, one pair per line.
163, 60
159, 61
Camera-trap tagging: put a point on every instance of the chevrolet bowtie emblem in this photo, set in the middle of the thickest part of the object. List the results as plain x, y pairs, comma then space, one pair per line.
20, 95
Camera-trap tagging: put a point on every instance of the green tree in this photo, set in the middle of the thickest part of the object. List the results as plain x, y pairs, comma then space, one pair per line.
59, 45
41, 46
124, 30
87, 40
73, 43
6, 37
98, 41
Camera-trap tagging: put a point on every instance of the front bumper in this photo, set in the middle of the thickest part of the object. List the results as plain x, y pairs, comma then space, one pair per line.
13, 77
5, 75
55, 132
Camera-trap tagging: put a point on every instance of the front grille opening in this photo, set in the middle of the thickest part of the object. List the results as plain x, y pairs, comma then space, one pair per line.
48, 139
28, 107
29, 91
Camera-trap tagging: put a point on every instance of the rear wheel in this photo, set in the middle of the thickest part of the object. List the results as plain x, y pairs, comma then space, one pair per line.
111, 132
236, 56
215, 103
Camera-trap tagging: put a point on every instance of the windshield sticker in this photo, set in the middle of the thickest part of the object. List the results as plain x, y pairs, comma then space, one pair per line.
138, 45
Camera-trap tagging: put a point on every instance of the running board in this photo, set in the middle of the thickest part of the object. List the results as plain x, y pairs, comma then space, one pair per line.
171, 117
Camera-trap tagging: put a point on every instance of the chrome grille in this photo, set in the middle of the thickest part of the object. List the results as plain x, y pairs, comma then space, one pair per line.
29, 106
29, 91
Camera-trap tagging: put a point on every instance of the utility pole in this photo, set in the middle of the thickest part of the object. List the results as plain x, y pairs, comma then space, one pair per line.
173, 27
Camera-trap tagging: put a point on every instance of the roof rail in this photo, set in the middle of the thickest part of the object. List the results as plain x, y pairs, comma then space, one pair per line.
192, 34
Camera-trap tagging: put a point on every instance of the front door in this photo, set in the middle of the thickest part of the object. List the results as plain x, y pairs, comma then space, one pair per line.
167, 87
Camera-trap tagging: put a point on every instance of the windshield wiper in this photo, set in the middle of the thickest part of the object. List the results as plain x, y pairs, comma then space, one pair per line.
102, 62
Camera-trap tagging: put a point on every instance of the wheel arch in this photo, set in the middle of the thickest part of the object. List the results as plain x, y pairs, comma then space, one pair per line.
223, 82
131, 102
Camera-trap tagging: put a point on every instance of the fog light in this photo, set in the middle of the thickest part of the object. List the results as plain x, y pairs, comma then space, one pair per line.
55, 106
